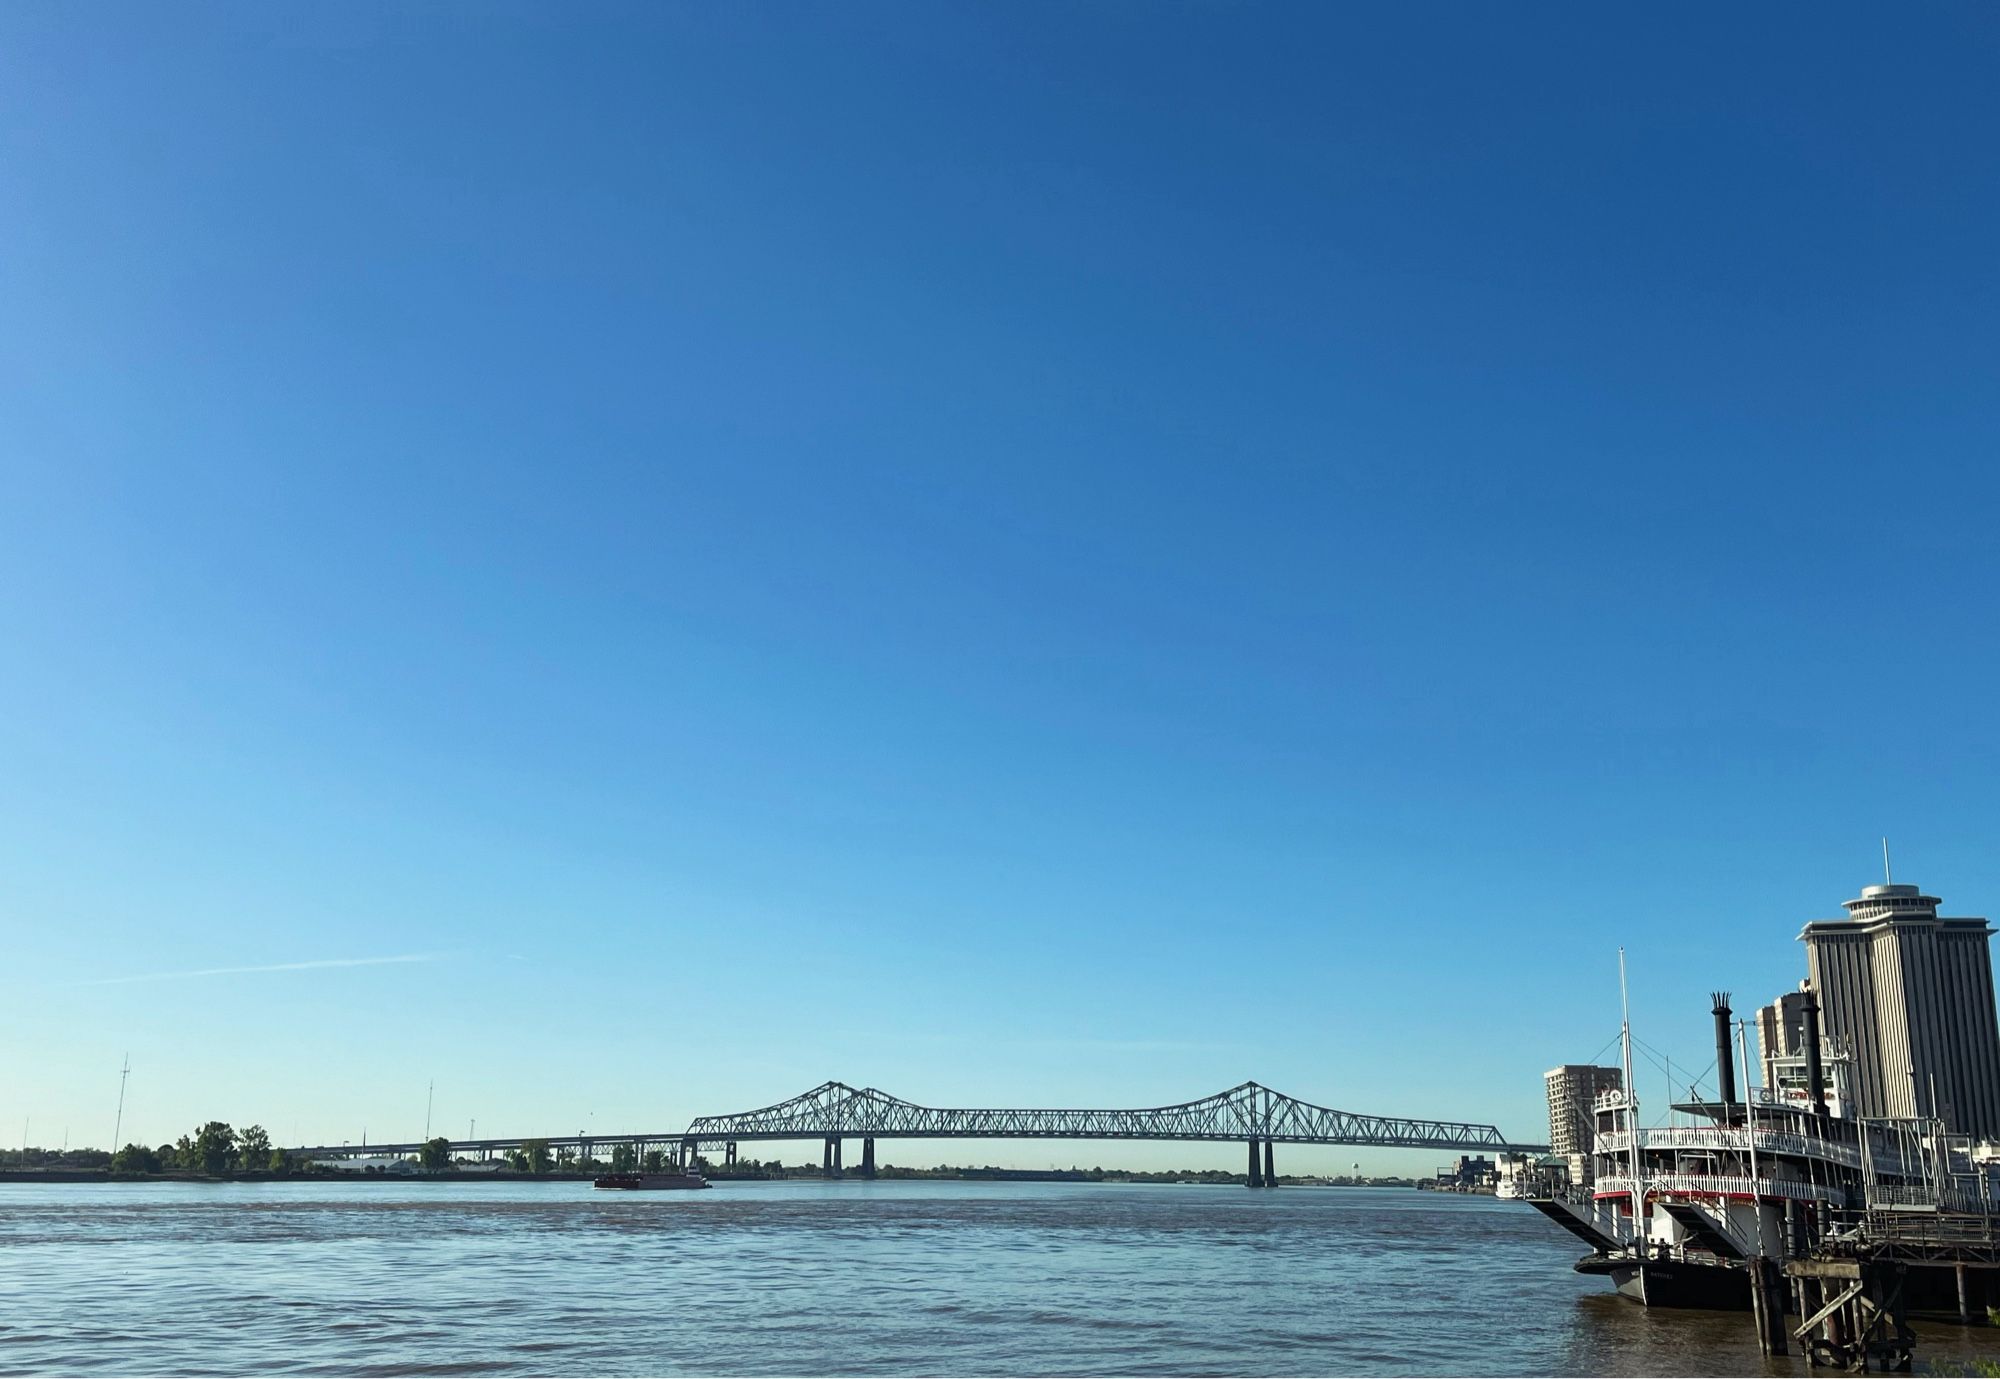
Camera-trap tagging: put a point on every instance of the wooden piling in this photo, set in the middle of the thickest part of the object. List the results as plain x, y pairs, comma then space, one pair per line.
1767, 1303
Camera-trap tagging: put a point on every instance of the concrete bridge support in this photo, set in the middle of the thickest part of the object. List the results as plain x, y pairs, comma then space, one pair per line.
729, 1154
868, 1157
1270, 1165
688, 1150
1255, 1178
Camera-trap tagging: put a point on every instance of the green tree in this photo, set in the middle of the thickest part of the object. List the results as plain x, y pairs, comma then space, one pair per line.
135, 1158
253, 1147
214, 1149
436, 1155
537, 1154
624, 1158
654, 1161
279, 1162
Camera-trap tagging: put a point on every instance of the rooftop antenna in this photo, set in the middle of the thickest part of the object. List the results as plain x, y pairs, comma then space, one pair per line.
429, 1092
1887, 880
119, 1124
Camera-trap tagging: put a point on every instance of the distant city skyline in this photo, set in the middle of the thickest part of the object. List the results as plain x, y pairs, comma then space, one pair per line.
630, 563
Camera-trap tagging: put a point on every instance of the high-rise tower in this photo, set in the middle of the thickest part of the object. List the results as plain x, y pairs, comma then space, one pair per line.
1911, 996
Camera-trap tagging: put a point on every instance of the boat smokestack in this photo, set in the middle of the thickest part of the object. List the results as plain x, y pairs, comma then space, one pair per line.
1725, 1058
1815, 1073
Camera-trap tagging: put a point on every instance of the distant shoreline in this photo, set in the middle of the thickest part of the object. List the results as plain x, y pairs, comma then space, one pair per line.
72, 1176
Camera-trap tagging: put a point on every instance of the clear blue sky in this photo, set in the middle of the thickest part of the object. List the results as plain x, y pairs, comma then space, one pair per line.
1050, 554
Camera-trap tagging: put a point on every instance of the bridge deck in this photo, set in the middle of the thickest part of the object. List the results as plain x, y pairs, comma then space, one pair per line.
834, 1110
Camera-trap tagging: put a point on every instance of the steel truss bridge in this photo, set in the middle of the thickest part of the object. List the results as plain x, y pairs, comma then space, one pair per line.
834, 1112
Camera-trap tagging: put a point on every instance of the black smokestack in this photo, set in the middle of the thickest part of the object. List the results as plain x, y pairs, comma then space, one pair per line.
1815, 1074
1725, 1061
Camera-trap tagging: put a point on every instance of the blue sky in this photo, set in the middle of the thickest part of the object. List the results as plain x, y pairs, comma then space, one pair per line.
1033, 554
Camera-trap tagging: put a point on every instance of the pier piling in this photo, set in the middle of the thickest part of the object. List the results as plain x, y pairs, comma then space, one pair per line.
1255, 1177
1767, 1303
1862, 1311
1270, 1166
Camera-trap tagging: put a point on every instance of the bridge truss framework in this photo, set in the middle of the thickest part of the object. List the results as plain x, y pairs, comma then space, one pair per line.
833, 1112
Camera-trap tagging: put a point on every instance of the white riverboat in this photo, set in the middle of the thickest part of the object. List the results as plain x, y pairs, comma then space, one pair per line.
1675, 1214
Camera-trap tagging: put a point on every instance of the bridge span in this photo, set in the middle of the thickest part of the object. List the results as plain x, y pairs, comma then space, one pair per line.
834, 1112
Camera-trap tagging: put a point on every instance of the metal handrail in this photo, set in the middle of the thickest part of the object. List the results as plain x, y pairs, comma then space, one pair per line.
1725, 1185
1613, 1142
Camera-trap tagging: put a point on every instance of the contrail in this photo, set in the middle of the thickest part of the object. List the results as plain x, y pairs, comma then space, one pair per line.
271, 967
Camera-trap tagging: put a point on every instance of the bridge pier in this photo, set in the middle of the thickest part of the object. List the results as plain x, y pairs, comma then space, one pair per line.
687, 1153
1270, 1166
1255, 1178
826, 1158
729, 1154
868, 1157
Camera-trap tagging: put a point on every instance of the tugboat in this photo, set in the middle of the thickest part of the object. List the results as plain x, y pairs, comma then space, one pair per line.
652, 1182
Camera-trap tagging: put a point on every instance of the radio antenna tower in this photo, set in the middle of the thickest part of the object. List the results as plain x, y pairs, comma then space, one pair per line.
1887, 879
118, 1125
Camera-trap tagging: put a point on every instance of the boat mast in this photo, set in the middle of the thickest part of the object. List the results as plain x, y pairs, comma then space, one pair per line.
1631, 1104
1750, 1132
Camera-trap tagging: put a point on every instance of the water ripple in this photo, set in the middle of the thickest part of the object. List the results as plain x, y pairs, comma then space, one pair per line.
813, 1278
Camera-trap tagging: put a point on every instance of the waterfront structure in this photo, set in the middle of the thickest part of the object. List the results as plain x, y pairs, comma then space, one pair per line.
1573, 1091
1848, 1189
1468, 1171
1785, 1204
1907, 997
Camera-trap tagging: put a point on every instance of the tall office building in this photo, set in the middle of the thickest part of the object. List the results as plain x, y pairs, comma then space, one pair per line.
1781, 1032
1911, 996
1573, 1088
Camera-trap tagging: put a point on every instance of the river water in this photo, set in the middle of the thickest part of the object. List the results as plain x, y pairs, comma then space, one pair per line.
793, 1278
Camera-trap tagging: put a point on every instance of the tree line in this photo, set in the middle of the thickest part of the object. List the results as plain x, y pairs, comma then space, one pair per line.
216, 1149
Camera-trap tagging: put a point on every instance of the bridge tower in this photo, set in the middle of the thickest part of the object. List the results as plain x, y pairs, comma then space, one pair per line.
868, 1157
1255, 1177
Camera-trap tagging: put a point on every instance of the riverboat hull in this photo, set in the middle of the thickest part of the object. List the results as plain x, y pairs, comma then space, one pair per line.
651, 1182
1673, 1282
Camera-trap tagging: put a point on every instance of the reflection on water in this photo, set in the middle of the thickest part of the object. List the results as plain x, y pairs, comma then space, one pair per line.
821, 1278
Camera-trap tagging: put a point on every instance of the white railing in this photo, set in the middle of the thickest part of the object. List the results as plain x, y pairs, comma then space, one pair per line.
1724, 1184
1614, 1142
1948, 1197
